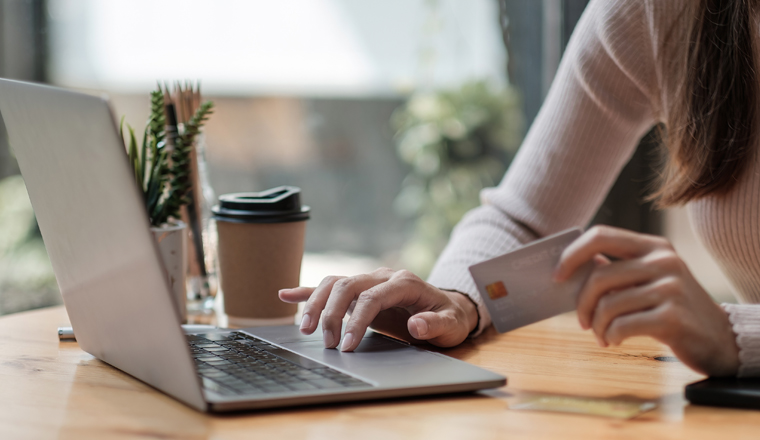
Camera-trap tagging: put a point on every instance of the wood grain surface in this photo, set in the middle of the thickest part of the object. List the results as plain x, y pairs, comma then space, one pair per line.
52, 389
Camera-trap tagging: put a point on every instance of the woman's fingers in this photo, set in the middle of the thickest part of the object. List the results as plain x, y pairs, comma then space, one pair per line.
605, 279
344, 292
316, 303
605, 240
630, 301
648, 291
369, 303
621, 275
386, 300
296, 294
646, 323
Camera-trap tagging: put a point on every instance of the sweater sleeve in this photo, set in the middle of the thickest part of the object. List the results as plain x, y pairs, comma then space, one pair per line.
745, 319
602, 101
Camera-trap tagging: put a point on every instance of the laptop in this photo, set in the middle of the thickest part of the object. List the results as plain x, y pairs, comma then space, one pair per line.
109, 272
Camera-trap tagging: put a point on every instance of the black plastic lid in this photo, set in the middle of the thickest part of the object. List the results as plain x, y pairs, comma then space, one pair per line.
276, 205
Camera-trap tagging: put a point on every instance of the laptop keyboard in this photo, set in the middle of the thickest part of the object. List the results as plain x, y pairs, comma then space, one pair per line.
236, 363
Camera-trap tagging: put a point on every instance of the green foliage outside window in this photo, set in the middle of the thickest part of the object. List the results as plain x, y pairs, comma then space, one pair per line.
457, 142
26, 276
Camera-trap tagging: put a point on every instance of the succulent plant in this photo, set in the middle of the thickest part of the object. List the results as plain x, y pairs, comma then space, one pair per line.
162, 165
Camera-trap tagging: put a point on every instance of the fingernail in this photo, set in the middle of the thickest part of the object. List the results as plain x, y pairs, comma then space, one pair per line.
348, 339
327, 335
422, 327
305, 322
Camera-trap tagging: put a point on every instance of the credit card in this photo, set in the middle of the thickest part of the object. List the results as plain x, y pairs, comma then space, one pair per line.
518, 289
615, 408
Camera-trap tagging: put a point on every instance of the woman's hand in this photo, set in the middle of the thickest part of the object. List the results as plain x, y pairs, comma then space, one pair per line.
649, 291
395, 302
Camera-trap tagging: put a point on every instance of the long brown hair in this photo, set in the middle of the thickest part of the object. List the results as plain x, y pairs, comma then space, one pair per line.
711, 123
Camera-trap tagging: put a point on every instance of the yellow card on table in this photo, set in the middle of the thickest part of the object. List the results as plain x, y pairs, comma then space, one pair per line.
615, 408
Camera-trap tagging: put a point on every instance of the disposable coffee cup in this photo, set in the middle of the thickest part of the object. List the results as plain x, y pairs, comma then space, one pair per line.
261, 241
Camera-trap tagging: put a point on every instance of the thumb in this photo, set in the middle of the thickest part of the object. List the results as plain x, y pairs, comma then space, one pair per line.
426, 325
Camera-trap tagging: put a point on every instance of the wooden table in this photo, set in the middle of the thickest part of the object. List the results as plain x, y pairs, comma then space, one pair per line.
55, 390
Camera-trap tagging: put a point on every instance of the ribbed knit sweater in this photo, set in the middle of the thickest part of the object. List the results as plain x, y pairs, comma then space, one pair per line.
610, 89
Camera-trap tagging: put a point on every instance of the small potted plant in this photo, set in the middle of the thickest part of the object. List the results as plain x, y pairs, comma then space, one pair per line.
162, 167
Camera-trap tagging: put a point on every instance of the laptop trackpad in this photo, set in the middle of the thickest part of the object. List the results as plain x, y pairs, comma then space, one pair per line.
377, 358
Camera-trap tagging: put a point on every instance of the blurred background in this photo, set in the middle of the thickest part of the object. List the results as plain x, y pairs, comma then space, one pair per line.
391, 115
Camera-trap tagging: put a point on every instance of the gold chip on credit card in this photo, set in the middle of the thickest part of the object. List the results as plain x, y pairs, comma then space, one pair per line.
496, 290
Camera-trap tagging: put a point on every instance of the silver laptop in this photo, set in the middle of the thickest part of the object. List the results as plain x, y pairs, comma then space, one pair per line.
96, 231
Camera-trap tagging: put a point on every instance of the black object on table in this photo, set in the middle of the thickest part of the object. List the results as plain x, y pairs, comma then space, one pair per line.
725, 391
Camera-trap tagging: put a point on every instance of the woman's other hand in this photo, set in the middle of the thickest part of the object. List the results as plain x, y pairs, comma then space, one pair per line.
648, 291
396, 302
